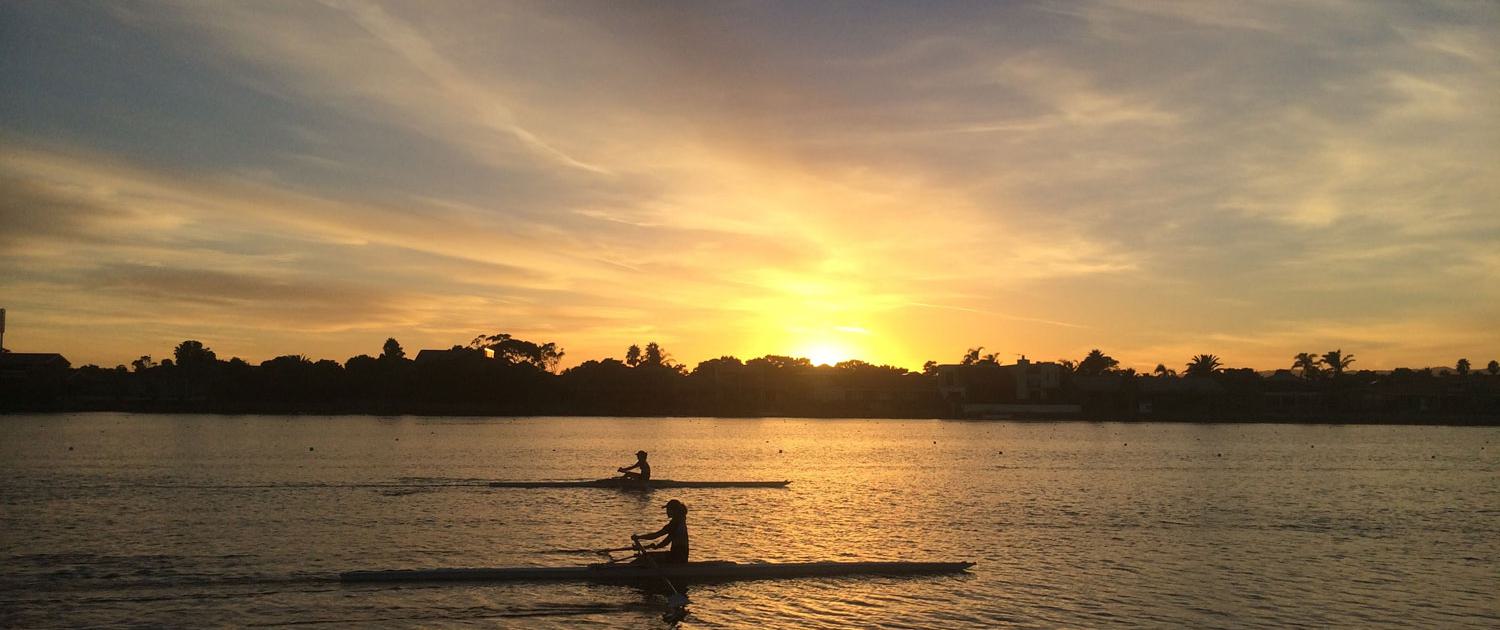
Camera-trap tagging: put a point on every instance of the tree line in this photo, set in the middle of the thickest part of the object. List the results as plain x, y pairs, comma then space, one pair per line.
503, 374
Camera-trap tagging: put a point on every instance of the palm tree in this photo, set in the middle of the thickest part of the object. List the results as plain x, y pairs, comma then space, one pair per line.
1462, 367
1203, 365
1337, 361
1308, 363
1096, 363
1163, 370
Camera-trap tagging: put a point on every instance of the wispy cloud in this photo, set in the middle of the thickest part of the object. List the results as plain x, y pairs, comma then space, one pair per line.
1159, 177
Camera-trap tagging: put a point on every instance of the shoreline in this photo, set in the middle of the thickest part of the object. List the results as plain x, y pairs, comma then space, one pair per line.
1322, 419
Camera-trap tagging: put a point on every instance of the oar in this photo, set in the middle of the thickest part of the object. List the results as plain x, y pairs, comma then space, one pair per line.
677, 602
602, 552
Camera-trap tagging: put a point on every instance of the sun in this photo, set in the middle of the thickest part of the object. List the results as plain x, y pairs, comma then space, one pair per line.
825, 354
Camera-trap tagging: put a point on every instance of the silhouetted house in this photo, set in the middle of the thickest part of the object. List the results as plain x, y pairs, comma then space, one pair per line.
27, 377
1171, 397
1002, 391
885, 394
1036, 381
1110, 395
1289, 395
428, 356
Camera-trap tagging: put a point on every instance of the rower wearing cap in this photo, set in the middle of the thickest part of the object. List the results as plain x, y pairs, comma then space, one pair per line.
640, 463
674, 533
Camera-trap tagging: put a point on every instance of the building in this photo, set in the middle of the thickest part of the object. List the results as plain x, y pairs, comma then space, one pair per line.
28, 377
1023, 382
426, 356
991, 390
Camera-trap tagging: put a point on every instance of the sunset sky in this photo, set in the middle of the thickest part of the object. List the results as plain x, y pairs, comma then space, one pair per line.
893, 182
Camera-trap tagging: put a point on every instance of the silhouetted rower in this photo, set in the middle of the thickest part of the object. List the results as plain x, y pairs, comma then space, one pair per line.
640, 463
675, 533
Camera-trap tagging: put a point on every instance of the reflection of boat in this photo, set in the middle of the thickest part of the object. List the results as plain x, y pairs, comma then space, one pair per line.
632, 484
692, 571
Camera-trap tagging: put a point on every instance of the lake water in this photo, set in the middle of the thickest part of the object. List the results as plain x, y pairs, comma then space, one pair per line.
117, 519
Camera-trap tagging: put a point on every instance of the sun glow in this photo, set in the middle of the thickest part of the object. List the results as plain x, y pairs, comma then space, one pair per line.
825, 354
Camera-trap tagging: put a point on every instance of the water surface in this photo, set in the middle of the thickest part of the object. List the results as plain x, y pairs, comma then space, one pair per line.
119, 519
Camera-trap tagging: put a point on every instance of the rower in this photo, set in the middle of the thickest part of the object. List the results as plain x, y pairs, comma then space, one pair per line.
640, 463
674, 533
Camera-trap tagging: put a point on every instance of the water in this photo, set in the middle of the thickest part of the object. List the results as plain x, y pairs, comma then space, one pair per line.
117, 519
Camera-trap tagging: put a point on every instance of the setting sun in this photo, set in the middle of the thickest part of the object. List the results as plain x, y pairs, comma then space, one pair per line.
825, 354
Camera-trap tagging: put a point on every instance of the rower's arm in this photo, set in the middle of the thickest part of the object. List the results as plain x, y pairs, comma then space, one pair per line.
668, 539
630, 467
657, 534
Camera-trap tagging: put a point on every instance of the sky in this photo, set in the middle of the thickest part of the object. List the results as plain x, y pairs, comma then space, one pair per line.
894, 182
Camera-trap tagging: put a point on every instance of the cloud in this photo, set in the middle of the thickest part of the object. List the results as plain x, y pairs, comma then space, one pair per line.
733, 178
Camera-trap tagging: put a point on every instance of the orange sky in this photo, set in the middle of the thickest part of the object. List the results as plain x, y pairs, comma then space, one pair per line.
894, 183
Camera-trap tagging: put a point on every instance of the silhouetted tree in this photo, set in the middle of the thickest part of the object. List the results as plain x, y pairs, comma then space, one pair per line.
1494, 367
361, 362
1203, 365
930, 368
1462, 367
1337, 362
1068, 366
194, 355
856, 366
718, 366
392, 351
1096, 363
654, 355
512, 351
142, 364
633, 355
972, 356
1163, 370
1309, 363
780, 362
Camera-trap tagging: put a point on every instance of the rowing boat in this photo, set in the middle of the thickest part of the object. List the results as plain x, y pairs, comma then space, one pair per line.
632, 484
692, 571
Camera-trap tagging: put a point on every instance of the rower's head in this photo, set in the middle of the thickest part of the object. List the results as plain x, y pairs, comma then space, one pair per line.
641, 455
676, 509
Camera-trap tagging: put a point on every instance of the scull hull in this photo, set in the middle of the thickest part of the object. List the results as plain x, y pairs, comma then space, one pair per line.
654, 484
693, 571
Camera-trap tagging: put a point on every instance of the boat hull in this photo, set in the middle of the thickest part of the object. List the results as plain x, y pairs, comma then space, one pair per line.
692, 571
616, 483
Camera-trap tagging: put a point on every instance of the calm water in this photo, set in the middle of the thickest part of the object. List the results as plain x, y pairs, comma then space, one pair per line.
115, 519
